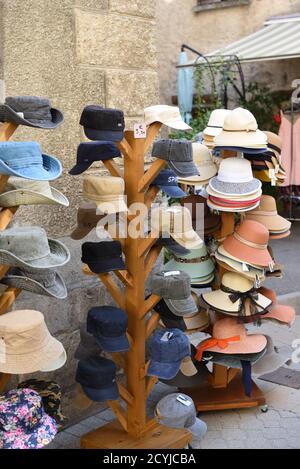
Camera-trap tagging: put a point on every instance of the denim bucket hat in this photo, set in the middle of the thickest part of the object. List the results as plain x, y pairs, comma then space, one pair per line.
31, 111
28, 246
108, 325
26, 160
103, 123
167, 350
24, 423
197, 263
104, 256
97, 377
167, 181
89, 152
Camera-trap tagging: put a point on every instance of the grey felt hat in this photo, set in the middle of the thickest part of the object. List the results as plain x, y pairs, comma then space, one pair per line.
27, 192
43, 282
28, 246
233, 361
31, 111
175, 288
88, 346
274, 358
178, 154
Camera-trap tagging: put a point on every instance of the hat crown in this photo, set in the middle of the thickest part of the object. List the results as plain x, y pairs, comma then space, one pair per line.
201, 154
235, 170
102, 250
100, 118
103, 186
28, 243
170, 409
174, 286
20, 409
19, 155
228, 327
240, 120
33, 107
175, 219
107, 321
267, 204
96, 372
194, 253
169, 351
161, 113
253, 231
236, 282
273, 139
173, 150
217, 117
41, 187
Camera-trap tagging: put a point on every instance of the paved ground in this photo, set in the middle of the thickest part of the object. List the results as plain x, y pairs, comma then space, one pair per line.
279, 427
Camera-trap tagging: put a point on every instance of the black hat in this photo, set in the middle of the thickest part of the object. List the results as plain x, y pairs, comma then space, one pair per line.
97, 377
104, 256
167, 242
169, 319
89, 152
108, 325
103, 124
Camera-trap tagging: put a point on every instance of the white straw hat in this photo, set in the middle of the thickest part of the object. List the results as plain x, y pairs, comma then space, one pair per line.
216, 122
167, 115
235, 177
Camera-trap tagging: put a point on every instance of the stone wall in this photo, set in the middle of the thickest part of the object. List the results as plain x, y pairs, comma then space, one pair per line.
207, 31
76, 52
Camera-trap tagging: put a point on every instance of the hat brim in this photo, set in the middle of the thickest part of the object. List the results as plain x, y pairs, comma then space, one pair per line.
212, 131
220, 208
184, 168
235, 197
173, 191
236, 266
188, 368
173, 323
235, 188
195, 269
286, 234
220, 301
241, 139
177, 124
15, 279
106, 266
163, 370
13, 116
203, 282
113, 344
113, 206
281, 313
250, 151
198, 430
189, 239
259, 257
198, 321
182, 307
271, 222
37, 438
59, 256
206, 173
80, 233
110, 393
253, 343
108, 135
80, 168
18, 197
272, 360
56, 363
50, 170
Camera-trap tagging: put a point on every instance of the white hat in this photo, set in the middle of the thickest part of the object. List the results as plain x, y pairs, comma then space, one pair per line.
235, 177
202, 158
167, 115
240, 130
216, 122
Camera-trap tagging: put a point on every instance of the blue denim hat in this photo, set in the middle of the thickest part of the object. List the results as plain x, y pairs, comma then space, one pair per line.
167, 349
167, 181
97, 377
89, 152
25, 160
108, 325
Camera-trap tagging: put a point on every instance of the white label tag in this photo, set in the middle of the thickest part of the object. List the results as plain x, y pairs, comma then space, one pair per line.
245, 267
257, 283
272, 176
172, 272
167, 336
140, 130
183, 400
21, 114
2, 351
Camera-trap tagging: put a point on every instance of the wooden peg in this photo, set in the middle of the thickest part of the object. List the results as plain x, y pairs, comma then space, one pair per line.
147, 243
151, 174
119, 413
150, 196
113, 289
6, 131
125, 395
152, 132
152, 324
149, 304
6, 215
125, 148
7, 298
113, 168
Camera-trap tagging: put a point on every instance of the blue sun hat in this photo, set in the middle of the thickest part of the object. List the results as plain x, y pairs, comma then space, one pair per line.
26, 160
24, 423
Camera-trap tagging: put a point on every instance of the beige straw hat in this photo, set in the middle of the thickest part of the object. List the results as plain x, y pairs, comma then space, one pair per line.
235, 265
266, 213
26, 345
203, 160
167, 115
26, 192
107, 192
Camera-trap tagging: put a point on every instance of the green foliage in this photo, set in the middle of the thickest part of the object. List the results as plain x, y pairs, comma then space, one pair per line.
260, 101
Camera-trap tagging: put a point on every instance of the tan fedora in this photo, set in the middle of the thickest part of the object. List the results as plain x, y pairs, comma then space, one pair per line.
176, 221
26, 192
107, 192
203, 160
26, 345
266, 213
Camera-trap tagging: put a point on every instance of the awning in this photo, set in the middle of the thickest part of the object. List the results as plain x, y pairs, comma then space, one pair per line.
278, 39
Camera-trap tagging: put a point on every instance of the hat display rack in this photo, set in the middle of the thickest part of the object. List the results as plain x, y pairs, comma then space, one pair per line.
132, 428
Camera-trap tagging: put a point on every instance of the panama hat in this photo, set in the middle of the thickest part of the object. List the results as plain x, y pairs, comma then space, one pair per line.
232, 295
216, 122
226, 206
240, 130
28, 345
266, 213
28, 246
31, 111
45, 282
107, 192
167, 115
249, 243
26, 160
235, 177
230, 337
202, 158
224, 259
280, 313
25, 192
176, 221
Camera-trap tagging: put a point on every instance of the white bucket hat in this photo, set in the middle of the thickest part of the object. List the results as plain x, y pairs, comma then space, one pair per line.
235, 177
216, 122
167, 115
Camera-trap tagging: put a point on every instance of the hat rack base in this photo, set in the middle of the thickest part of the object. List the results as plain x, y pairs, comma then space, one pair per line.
133, 429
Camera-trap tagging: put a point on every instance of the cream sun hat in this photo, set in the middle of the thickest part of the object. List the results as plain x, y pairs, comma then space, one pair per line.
216, 122
167, 115
26, 192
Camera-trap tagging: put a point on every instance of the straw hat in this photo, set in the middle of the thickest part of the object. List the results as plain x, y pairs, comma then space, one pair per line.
224, 259
266, 213
235, 178
27, 345
216, 122
274, 358
202, 158
167, 115
234, 292
26, 192
230, 337
249, 243
176, 221
280, 313
240, 130
107, 192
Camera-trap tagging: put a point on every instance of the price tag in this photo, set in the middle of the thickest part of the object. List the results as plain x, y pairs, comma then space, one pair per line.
183, 400
140, 130
245, 267
167, 336
171, 272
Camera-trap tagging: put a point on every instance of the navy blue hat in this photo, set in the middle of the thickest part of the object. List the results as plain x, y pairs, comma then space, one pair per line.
108, 325
89, 152
167, 181
172, 245
97, 377
169, 319
248, 150
103, 124
104, 256
167, 349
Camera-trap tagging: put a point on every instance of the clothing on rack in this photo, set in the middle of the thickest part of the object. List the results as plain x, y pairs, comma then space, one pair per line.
290, 153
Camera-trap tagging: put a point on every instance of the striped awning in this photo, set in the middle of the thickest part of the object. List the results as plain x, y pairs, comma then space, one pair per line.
278, 39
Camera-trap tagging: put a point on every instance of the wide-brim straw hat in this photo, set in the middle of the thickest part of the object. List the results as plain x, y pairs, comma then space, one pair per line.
241, 139
249, 243
203, 281
283, 314
221, 208
286, 234
19, 278
26, 192
234, 265
267, 214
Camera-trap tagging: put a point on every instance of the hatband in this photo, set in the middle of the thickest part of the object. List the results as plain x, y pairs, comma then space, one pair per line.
249, 243
192, 261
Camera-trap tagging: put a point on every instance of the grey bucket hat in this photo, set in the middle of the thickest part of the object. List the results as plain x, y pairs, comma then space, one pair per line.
31, 111
175, 288
28, 246
178, 154
43, 282
88, 346
27, 192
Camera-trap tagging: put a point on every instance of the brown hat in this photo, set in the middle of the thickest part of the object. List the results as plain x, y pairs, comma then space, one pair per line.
87, 220
211, 221
107, 192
